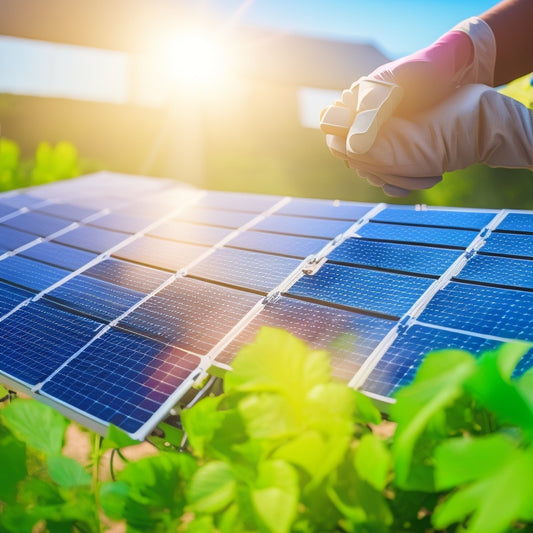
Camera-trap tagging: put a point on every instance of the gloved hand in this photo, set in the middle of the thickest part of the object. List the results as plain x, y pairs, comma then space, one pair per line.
466, 54
476, 124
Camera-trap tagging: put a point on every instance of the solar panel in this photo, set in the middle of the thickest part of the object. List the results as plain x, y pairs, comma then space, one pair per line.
118, 292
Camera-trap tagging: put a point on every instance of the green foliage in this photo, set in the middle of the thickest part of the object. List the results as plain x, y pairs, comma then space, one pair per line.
285, 449
50, 163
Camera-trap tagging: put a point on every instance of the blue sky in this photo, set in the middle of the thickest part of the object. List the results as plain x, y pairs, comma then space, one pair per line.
396, 27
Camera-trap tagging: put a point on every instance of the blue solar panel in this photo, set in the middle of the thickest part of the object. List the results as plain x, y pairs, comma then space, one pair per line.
348, 336
498, 270
307, 207
242, 268
444, 218
278, 244
136, 277
401, 361
135, 233
190, 314
191, 233
10, 297
75, 213
509, 244
59, 255
216, 217
12, 238
504, 313
369, 290
450, 238
30, 274
37, 223
39, 338
309, 227
390, 256
161, 253
96, 298
519, 222
123, 222
122, 379
91, 239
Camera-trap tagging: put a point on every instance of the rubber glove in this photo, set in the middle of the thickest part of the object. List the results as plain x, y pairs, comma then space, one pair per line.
476, 124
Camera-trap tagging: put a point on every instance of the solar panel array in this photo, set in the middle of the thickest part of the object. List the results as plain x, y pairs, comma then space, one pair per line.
118, 292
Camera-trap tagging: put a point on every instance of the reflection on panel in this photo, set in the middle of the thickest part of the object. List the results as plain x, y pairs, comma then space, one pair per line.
72, 212
122, 379
37, 223
369, 290
275, 243
307, 207
242, 268
495, 311
123, 222
253, 203
38, 338
191, 233
92, 239
160, 253
59, 255
30, 274
391, 256
401, 361
215, 217
310, 227
10, 238
190, 314
349, 337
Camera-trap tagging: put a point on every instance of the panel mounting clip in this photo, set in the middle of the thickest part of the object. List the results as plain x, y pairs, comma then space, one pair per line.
314, 265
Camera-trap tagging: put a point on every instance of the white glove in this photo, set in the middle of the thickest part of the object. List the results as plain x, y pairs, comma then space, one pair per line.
476, 124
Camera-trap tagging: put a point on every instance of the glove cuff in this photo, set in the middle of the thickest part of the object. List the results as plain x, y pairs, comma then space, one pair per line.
482, 67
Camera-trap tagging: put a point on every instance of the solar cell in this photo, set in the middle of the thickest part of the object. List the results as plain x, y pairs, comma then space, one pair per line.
58, 255
6, 209
37, 223
309, 227
122, 222
216, 217
121, 379
12, 239
509, 244
443, 218
38, 338
348, 336
21, 200
10, 297
191, 233
401, 361
498, 270
289, 245
75, 213
450, 238
506, 313
517, 222
30, 274
242, 268
95, 298
91, 239
369, 290
390, 256
160, 253
190, 314
253, 203
307, 207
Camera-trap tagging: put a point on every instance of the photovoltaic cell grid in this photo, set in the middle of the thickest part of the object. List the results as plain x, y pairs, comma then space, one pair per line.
117, 292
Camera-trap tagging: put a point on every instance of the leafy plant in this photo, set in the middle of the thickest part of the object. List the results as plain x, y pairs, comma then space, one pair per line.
284, 448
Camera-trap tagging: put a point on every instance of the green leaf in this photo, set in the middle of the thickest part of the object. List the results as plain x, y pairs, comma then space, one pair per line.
278, 362
495, 499
36, 424
212, 488
116, 438
275, 495
67, 472
492, 386
200, 524
373, 461
437, 384
3, 392
365, 410
201, 421
114, 498
12, 465
305, 450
